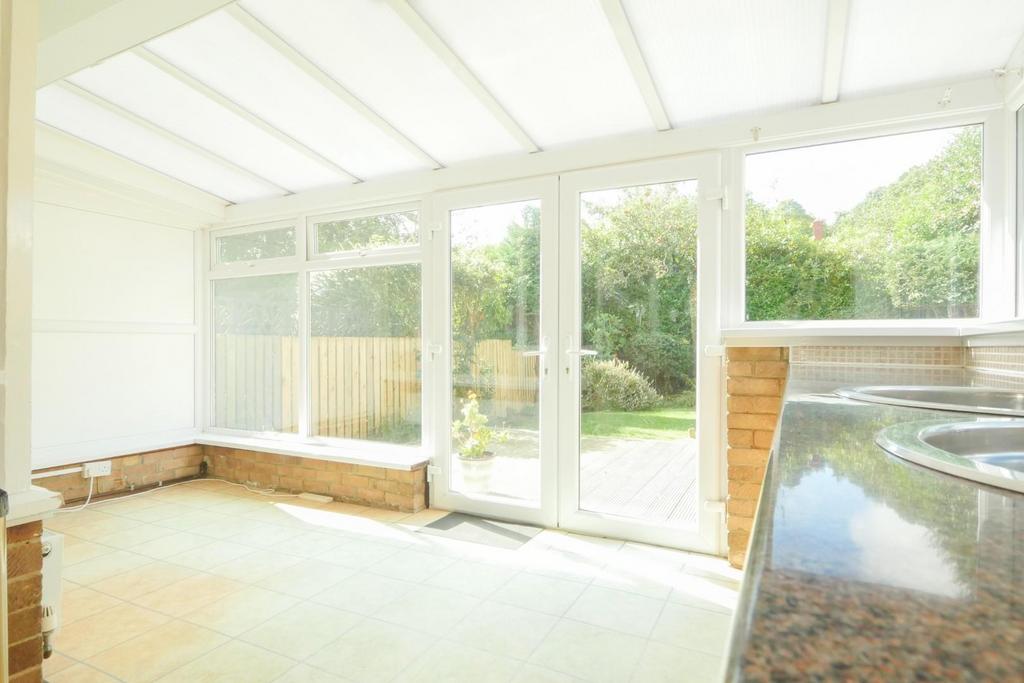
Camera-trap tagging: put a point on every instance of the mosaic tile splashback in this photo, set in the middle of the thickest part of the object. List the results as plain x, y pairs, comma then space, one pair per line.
878, 355
995, 358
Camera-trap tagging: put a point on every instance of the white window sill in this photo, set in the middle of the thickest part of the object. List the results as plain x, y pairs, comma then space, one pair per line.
31, 505
387, 457
869, 332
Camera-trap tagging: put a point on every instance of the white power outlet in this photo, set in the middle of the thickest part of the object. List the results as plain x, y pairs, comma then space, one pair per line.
100, 468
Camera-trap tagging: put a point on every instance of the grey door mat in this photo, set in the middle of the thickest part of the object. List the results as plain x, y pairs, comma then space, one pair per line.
463, 527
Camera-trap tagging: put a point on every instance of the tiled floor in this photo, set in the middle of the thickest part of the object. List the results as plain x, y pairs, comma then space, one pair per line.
207, 582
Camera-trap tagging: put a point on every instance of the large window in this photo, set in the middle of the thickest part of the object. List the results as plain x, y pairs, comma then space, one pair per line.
256, 353
364, 354
360, 333
873, 229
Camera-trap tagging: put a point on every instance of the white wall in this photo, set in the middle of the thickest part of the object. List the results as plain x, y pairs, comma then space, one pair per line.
113, 365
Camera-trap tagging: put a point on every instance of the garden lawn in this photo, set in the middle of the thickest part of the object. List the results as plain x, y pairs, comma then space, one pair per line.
670, 420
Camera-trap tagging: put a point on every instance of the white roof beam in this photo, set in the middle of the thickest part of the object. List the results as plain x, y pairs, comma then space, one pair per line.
111, 28
168, 135
623, 30
208, 92
433, 41
260, 30
835, 46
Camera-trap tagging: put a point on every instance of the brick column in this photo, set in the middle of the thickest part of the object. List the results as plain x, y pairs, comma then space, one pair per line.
756, 379
24, 595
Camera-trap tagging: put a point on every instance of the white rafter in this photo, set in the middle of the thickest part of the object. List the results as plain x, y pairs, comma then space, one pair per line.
168, 135
454, 63
198, 86
835, 46
264, 33
623, 30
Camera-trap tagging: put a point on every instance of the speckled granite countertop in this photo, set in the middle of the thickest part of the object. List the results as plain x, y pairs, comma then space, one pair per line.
865, 567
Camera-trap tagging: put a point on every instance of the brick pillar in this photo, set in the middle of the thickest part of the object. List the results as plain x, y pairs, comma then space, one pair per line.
24, 595
756, 379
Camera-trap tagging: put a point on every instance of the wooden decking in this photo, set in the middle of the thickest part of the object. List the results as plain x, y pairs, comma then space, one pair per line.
651, 480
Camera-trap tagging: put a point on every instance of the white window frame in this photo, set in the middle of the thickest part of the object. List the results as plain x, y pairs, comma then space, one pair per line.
302, 265
1015, 189
997, 261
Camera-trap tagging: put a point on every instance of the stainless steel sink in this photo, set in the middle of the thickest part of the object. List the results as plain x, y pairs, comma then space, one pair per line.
990, 451
958, 399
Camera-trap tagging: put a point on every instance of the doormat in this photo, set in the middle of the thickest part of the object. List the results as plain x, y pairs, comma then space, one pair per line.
463, 527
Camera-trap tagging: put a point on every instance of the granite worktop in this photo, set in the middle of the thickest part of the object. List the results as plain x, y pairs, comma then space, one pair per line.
865, 567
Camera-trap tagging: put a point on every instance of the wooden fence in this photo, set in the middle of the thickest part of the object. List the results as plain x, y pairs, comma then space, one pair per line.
359, 386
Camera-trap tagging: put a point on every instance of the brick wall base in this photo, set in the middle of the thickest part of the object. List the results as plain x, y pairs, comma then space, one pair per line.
24, 597
756, 380
375, 486
138, 470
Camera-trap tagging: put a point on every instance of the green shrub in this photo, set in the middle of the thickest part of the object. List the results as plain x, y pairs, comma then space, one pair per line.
615, 385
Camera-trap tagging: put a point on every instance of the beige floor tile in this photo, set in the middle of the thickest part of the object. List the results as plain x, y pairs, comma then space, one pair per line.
473, 578
157, 652
540, 593
301, 630
503, 629
76, 550
80, 673
706, 593
255, 567
130, 539
104, 566
155, 513
172, 544
448, 662
303, 673
188, 594
144, 579
411, 565
617, 610
531, 673
212, 555
435, 610
589, 652
126, 505
85, 602
234, 662
98, 527
56, 663
62, 521
662, 663
307, 578
358, 553
309, 544
192, 520
391, 516
356, 655
94, 634
423, 518
364, 593
695, 628
240, 611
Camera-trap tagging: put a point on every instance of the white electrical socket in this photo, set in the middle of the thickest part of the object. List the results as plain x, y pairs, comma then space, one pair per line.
100, 468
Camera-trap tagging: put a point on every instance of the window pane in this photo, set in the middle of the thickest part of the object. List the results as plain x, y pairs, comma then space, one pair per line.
384, 230
364, 356
252, 246
495, 288
880, 228
256, 353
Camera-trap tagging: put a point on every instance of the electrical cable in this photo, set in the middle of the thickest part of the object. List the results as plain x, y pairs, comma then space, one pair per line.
269, 492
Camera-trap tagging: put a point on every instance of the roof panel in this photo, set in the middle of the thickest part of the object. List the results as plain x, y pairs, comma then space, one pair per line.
367, 48
555, 66
77, 116
129, 82
224, 55
715, 58
892, 44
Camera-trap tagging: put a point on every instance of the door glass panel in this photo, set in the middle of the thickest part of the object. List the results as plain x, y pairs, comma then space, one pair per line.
495, 286
638, 448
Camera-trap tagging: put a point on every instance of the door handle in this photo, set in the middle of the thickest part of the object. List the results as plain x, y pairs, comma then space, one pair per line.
581, 352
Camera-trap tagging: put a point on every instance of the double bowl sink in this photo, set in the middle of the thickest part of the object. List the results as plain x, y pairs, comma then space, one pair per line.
988, 450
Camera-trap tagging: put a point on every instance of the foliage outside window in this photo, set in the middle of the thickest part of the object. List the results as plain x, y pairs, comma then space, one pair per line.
364, 354
367, 232
254, 246
879, 228
256, 353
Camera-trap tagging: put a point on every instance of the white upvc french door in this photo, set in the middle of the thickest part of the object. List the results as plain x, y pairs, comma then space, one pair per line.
663, 487
492, 348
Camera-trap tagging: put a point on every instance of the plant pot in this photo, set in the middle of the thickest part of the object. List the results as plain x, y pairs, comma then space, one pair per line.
476, 473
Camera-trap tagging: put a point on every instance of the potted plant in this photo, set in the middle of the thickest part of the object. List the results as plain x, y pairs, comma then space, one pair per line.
471, 437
